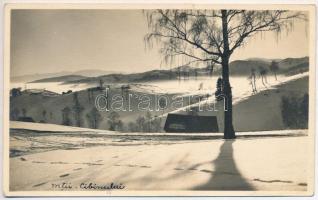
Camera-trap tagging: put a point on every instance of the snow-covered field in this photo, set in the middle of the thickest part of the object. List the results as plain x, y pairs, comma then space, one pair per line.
27, 138
272, 163
200, 85
241, 86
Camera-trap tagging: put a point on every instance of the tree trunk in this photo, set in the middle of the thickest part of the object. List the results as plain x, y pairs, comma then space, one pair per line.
263, 81
229, 132
275, 76
254, 80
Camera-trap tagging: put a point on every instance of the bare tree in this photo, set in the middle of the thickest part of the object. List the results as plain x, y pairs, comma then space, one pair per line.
141, 124
274, 67
210, 68
179, 74
195, 74
162, 104
156, 124
90, 94
101, 83
114, 122
78, 111
24, 112
14, 92
66, 111
132, 127
263, 74
252, 79
14, 114
44, 115
212, 36
148, 118
94, 118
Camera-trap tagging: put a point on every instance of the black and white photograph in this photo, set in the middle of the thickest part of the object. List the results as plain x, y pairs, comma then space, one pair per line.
147, 100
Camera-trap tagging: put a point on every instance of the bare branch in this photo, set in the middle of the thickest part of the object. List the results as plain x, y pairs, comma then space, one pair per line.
178, 31
256, 22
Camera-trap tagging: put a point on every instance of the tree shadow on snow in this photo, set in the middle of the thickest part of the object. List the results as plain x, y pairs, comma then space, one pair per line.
225, 176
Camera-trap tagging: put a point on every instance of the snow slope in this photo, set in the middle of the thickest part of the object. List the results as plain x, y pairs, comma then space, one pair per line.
241, 90
47, 127
28, 138
254, 112
254, 164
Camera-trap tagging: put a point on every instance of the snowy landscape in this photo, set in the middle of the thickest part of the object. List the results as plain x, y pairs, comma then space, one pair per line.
191, 112
38, 147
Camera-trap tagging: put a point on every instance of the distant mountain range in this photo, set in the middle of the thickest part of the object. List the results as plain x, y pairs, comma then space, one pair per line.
37, 77
127, 78
288, 66
60, 79
264, 59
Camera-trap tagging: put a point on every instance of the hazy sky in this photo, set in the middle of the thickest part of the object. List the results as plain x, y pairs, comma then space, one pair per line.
44, 41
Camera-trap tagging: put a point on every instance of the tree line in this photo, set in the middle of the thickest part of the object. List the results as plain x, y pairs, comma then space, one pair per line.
294, 111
